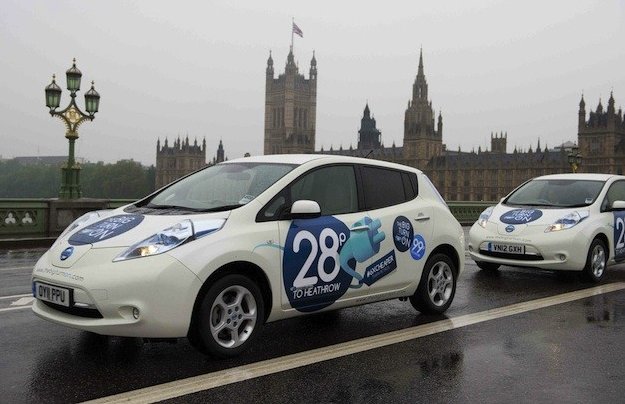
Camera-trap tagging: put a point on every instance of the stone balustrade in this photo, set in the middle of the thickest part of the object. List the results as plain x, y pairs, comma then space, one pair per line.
42, 220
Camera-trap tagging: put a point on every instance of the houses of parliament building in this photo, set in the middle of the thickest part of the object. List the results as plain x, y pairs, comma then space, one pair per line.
290, 111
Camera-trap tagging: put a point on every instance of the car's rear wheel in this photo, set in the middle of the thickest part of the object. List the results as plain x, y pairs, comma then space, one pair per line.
596, 261
487, 266
437, 287
229, 316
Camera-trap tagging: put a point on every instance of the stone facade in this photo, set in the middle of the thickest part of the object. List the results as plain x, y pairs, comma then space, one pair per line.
290, 108
602, 138
173, 162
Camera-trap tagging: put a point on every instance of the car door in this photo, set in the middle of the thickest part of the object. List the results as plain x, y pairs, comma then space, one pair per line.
318, 268
616, 192
392, 202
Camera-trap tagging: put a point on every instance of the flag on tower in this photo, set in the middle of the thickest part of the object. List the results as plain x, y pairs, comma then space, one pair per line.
297, 30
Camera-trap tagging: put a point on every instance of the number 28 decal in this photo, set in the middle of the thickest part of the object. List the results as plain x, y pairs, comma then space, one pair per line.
619, 235
313, 278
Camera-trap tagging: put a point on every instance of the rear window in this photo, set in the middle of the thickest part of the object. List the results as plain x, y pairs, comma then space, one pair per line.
385, 187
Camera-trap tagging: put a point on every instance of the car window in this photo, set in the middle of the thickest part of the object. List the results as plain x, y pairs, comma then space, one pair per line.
560, 193
615, 193
333, 188
382, 187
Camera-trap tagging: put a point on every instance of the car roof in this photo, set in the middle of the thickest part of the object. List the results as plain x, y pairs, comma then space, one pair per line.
587, 177
300, 159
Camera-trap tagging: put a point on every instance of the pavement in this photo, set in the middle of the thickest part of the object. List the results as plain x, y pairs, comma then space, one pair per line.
517, 335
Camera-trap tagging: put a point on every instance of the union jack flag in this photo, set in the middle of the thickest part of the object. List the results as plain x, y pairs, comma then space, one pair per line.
297, 30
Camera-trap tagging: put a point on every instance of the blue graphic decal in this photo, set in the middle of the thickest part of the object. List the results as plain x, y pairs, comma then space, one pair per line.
67, 253
364, 242
105, 229
619, 235
417, 251
520, 216
380, 268
509, 228
402, 233
312, 274
320, 258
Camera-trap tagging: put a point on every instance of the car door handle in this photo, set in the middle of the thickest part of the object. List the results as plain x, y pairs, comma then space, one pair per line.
358, 228
422, 218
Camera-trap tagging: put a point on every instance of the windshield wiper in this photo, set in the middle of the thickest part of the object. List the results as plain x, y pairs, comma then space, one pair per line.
176, 207
577, 205
221, 208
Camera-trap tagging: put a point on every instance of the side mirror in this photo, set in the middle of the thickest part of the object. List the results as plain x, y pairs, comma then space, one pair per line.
305, 209
618, 205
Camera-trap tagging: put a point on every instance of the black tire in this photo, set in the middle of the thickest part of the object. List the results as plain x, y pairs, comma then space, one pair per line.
437, 287
596, 262
229, 317
487, 266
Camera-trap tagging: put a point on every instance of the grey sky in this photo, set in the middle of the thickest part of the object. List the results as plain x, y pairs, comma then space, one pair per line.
167, 68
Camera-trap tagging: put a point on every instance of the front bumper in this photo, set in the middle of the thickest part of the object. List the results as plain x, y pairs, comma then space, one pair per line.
159, 287
564, 250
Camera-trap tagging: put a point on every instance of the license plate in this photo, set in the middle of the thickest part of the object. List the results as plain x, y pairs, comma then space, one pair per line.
53, 294
506, 248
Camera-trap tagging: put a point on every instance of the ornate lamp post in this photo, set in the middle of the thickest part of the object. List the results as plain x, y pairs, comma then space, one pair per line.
575, 158
73, 117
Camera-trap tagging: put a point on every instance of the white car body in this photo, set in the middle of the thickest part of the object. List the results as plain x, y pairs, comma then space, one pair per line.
536, 246
155, 296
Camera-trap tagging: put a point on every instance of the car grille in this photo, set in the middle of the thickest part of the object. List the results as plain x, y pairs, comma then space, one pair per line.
518, 257
75, 311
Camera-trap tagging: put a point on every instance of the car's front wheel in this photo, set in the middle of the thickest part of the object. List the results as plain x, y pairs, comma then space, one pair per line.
230, 315
596, 261
437, 287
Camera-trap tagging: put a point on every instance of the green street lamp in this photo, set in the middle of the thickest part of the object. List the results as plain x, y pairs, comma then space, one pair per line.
575, 158
73, 117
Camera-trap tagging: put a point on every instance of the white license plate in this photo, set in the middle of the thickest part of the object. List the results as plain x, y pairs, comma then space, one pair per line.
52, 294
506, 248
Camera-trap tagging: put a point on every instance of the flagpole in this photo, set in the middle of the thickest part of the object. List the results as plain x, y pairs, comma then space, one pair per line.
292, 22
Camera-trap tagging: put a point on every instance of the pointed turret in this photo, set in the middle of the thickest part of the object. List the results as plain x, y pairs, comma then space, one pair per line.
611, 109
581, 115
270, 65
313, 67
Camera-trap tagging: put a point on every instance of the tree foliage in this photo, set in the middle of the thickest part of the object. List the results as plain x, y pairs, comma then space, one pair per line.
126, 179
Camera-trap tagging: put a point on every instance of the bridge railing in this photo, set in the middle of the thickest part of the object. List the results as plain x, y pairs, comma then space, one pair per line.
23, 220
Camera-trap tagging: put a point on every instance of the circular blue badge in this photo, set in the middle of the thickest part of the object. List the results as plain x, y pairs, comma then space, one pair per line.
67, 253
105, 229
403, 233
313, 277
417, 250
520, 216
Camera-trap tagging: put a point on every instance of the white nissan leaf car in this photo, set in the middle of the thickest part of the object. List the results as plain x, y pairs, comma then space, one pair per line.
218, 253
572, 222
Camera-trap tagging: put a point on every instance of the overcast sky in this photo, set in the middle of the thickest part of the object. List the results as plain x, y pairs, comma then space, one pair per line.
169, 68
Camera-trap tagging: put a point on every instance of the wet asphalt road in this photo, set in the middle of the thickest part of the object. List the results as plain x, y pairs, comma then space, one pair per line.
570, 352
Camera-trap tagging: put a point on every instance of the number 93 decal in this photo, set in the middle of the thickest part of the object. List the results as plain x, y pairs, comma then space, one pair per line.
313, 278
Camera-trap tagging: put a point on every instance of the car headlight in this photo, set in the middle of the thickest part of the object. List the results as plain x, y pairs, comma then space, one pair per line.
171, 238
484, 216
567, 221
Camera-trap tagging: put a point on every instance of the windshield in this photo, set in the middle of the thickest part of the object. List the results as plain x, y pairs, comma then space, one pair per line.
556, 193
220, 187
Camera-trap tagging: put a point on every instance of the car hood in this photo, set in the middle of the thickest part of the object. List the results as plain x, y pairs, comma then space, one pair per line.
515, 220
117, 229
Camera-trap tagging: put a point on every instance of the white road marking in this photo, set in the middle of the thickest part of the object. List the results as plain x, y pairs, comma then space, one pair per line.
23, 301
16, 308
17, 268
15, 296
208, 381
